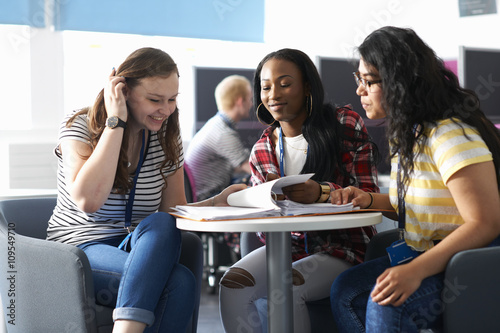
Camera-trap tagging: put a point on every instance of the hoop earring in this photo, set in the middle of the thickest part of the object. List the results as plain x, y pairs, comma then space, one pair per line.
310, 105
260, 121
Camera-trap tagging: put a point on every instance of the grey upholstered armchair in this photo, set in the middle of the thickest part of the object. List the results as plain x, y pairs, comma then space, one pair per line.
49, 287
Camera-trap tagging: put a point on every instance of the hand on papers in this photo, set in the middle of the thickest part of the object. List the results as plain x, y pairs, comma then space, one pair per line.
306, 192
273, 176
221, 198
257, 201
359, 198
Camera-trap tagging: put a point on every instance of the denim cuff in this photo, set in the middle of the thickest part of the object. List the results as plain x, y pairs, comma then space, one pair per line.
135, 314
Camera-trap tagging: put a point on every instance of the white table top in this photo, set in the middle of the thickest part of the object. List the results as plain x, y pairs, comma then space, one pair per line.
287, 223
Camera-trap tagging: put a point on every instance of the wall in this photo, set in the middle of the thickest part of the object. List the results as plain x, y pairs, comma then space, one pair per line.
332, 28
67, 69
320, 28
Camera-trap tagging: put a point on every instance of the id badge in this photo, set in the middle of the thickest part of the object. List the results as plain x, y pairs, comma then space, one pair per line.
124, 245
399, 253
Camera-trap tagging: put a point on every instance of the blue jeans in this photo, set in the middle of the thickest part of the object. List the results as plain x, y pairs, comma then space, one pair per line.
146, 284
354, 310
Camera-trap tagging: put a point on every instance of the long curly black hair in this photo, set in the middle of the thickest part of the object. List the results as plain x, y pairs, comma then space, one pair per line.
419, 89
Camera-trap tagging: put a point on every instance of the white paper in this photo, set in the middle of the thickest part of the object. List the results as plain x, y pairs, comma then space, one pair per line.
261, 195
258, 201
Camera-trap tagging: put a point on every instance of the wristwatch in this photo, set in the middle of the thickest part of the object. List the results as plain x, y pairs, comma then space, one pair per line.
325, 193
114, 121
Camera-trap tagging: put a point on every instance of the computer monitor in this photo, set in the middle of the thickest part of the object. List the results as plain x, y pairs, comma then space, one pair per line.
479, 70
206, 79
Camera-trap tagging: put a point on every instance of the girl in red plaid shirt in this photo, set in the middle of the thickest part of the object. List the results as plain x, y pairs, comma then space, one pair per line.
305, 135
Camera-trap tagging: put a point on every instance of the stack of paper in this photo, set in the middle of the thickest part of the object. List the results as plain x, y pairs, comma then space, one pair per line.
289, 207
258, 201
222, 213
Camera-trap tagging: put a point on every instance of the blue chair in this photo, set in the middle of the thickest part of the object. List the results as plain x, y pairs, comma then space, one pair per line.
52, 281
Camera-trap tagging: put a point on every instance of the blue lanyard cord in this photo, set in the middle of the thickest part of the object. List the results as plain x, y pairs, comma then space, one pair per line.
282, 171
401, 195
401, 200
130, 202
226, 120
282, 153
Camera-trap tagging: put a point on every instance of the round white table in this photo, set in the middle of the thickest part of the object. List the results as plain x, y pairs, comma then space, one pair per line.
278, 251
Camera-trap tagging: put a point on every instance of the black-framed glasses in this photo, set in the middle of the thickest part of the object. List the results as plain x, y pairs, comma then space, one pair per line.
367, 84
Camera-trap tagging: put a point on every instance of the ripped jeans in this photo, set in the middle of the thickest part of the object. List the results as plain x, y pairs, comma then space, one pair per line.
245, 284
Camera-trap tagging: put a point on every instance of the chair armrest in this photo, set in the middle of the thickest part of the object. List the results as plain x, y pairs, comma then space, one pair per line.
249, 242
379, 242
46, 275
471, 294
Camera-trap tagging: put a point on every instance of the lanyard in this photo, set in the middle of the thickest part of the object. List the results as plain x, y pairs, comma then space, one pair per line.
401, 198
401, 202
282, 171
130, 202
282, 152
226, 120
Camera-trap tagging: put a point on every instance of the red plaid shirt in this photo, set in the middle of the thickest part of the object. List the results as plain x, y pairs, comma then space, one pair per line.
348, 244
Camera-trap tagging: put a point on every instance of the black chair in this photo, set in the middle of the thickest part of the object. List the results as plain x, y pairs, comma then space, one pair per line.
471, 300
378, 244
54, 290
320, 311
471, 303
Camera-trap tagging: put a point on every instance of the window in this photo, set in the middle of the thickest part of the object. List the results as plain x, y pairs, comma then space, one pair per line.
15, 84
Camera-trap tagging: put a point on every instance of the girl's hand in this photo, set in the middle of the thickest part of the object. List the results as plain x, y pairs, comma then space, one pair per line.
273, 176
359, 198
114, 96
221, 198
307, 192
395, 285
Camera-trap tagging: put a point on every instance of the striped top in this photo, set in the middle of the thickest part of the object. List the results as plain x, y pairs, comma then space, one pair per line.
213, 154
431, 213
70, 225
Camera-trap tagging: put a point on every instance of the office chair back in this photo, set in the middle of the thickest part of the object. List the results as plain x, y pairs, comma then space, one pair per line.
189, 186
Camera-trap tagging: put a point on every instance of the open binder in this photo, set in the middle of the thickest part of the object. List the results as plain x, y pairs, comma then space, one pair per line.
260, 201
